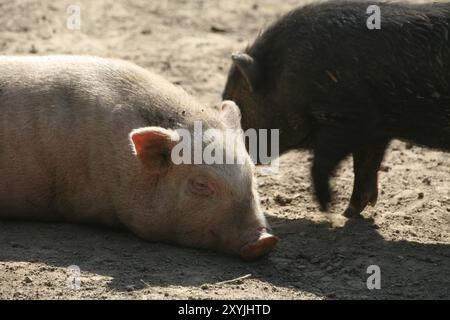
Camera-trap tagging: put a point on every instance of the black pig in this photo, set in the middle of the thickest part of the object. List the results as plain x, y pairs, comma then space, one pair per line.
331, 84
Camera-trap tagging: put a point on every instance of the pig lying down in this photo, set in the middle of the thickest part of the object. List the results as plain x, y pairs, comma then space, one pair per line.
89, 140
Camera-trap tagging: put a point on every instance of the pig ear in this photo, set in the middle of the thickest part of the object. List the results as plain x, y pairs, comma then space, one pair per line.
153, 146
248, 67
230, 114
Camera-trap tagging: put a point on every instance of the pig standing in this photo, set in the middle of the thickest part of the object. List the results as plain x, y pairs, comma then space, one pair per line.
334, 85
86, 139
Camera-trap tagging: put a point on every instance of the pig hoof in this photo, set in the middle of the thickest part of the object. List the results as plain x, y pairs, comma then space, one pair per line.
352, 213
324, 200
324, 204
357, 206
258, 248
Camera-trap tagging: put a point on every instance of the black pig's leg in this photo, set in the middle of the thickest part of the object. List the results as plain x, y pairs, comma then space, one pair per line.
331, 147
366, 163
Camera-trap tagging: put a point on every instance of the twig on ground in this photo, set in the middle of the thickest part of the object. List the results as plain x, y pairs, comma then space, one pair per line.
234, 280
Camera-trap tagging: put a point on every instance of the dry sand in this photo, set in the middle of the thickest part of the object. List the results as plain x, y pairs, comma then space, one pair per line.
320, 256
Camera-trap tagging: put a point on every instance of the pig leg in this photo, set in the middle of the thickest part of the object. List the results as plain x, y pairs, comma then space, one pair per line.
366, 163
331, 147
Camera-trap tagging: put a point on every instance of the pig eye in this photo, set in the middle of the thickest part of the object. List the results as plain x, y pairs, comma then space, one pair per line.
200, 186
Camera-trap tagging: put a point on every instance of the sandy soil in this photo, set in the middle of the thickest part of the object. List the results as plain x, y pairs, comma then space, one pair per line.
320, 256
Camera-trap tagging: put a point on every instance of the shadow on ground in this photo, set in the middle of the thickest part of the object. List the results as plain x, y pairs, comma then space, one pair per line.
312, 257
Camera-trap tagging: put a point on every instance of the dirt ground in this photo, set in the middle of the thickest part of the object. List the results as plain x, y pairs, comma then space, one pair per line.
319, 257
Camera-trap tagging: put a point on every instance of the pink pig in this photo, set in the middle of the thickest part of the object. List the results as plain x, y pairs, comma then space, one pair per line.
89, 140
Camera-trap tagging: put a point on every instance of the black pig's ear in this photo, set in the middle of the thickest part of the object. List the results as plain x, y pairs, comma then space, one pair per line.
248, 67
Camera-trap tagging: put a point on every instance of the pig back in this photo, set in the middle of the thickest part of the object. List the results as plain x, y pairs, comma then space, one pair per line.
64, 125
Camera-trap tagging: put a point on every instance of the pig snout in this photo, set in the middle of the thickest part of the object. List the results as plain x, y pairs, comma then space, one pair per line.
261, 245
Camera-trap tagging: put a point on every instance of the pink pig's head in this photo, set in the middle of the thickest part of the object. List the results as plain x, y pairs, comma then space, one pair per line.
212, 206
